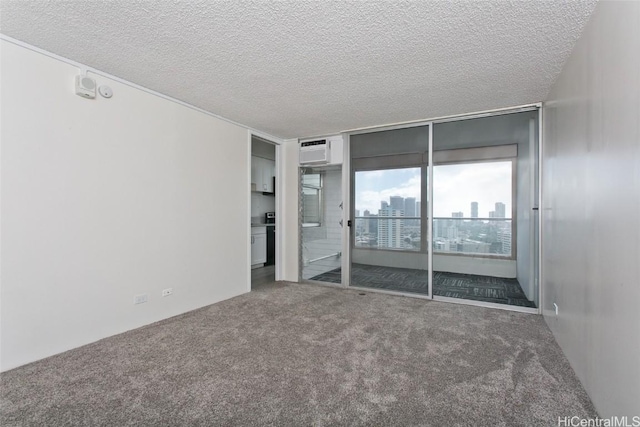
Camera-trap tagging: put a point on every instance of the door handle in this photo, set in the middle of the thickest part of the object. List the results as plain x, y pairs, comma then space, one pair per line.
349, 223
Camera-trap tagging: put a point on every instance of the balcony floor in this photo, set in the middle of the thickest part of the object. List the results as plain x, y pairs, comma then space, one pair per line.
465, 286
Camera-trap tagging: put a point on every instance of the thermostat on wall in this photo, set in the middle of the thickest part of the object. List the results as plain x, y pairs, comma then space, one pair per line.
85, 87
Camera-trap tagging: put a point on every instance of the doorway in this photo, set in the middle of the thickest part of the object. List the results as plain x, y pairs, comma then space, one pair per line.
263, 212
321, 223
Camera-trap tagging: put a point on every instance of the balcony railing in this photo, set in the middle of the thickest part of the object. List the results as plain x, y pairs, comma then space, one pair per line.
473, 236
388, 232
464, 236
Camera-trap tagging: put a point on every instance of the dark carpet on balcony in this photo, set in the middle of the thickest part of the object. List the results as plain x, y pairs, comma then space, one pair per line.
453, 285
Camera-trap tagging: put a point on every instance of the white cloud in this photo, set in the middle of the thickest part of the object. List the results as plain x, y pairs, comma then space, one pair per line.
456, 186
370, 199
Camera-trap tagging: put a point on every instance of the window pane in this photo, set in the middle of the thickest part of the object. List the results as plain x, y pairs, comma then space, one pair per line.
387, 209
311, 199
311, 180
472, 208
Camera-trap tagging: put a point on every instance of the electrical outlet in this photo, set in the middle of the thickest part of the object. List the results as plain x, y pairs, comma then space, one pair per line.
167, 292
139, 299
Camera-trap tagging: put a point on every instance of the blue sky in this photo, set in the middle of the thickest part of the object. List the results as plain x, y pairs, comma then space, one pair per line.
456, 187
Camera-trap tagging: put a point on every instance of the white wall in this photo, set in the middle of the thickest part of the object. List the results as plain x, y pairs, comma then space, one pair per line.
288, 212
108, 198
260, 204
591, 217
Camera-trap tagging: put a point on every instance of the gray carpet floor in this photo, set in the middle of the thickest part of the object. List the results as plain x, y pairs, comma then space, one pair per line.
291, 354
453, 285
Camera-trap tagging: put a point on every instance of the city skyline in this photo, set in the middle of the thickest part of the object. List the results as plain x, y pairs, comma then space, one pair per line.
390, 229
411, 207
457, 186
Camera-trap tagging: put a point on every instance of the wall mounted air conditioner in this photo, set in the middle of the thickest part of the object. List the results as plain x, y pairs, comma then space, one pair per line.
315, 152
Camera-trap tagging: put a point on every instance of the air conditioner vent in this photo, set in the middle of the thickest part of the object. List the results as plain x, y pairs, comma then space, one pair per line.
314, 152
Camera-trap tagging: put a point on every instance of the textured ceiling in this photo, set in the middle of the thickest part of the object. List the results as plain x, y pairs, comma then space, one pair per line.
303, 68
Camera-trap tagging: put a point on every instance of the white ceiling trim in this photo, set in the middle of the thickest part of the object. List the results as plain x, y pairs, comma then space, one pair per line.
86, 68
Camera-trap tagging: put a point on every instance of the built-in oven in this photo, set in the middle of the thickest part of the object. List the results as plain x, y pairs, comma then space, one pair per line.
270, 218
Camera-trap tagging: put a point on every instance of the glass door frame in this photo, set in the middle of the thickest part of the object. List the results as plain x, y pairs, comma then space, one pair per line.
348, 179
348, 210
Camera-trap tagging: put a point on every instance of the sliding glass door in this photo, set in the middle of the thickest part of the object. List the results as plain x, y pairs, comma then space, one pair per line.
485, 209
478, 238
389, 246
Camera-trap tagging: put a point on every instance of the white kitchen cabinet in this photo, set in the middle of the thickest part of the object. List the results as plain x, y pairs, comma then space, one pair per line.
255, 167
268, 172
262, 173
258, 245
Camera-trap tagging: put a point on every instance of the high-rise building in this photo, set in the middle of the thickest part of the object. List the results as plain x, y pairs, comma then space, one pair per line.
360, 223
410, 206
397, 203
500, 210
370, 225
390, 229
474, 209
504, 237
418, 211
451, 232
373, 225
440, 228
384, 205
410, 210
